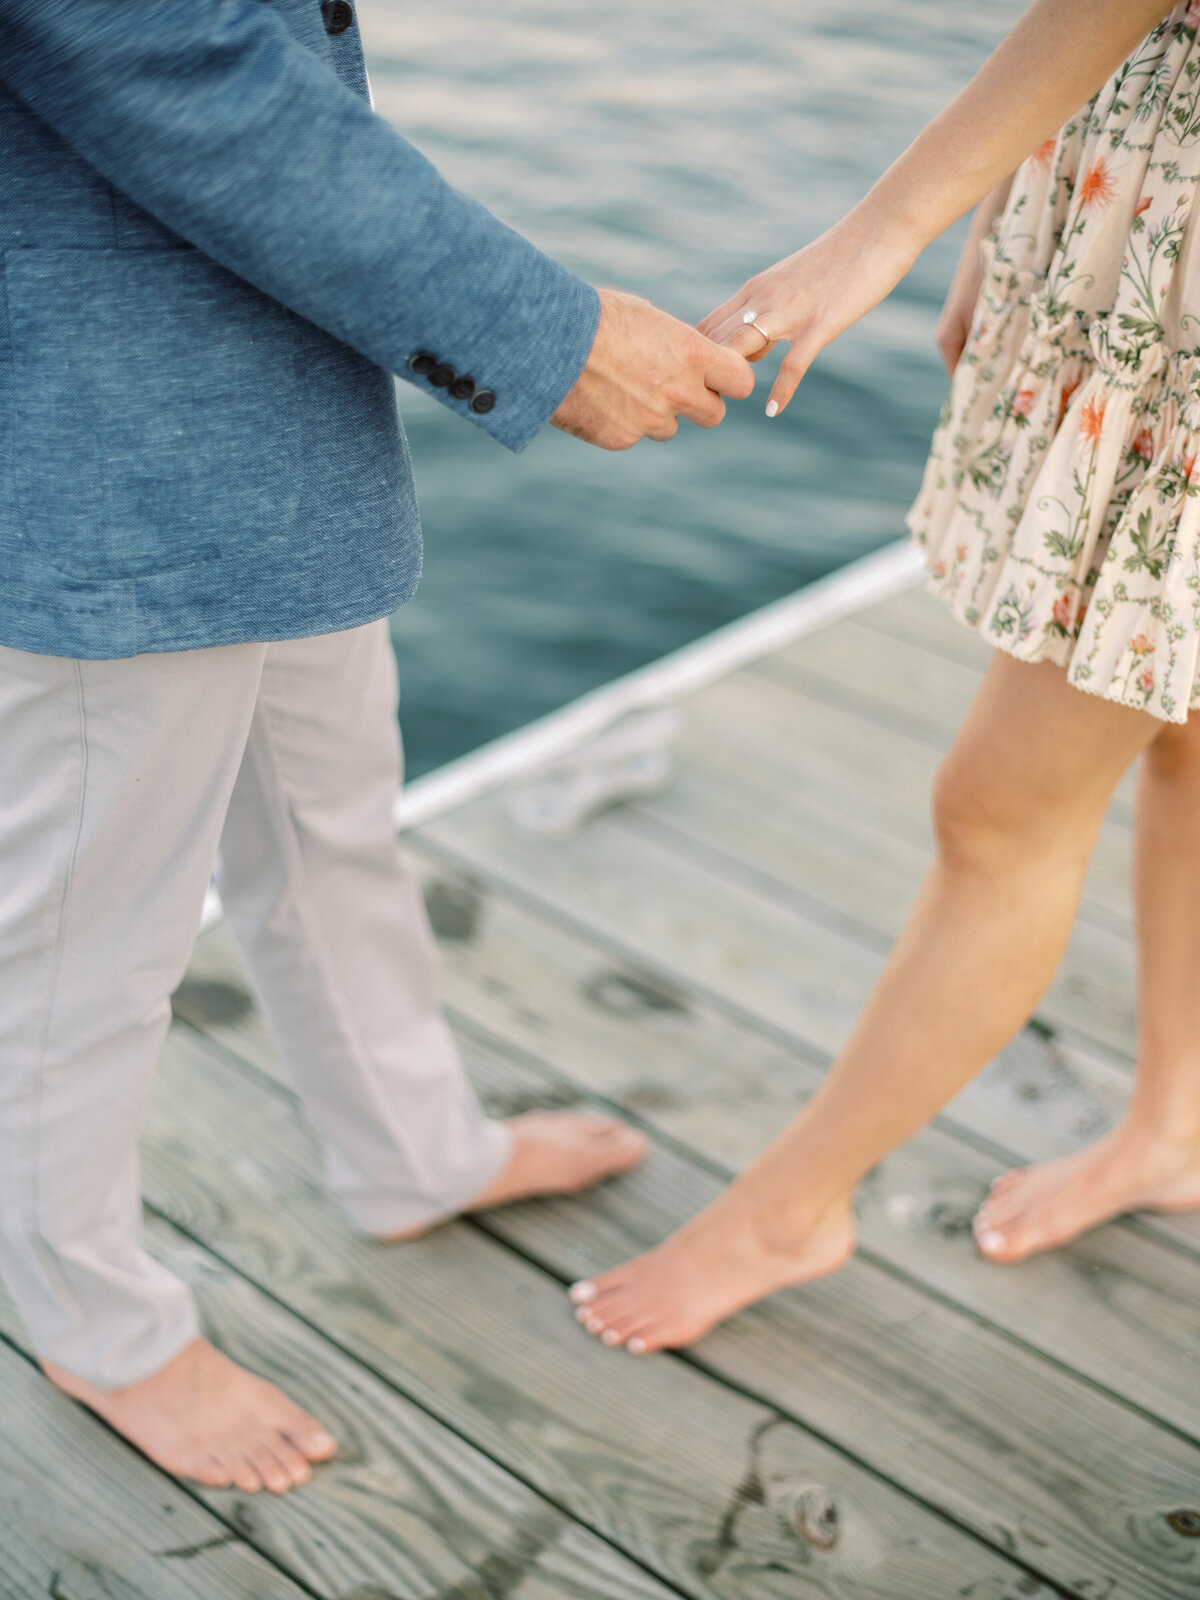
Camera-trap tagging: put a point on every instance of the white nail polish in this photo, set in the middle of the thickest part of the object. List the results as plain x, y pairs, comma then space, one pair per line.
636, 1347
772, 408
989, 1241
594, 1325
610, 1337
583, 1291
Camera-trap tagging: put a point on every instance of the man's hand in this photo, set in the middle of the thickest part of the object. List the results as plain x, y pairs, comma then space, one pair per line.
647, 370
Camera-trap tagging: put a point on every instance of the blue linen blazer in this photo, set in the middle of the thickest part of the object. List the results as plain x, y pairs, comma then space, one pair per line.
213, 257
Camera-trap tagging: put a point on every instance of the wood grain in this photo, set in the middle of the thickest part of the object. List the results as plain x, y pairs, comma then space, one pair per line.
752, 944
407, 1510
82, 1516
654, 1455
883, 1367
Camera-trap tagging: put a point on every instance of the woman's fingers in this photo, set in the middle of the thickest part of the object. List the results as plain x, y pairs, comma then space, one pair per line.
724, 312
793, 367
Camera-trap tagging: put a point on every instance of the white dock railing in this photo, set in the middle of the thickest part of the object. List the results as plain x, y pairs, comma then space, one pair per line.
884, 572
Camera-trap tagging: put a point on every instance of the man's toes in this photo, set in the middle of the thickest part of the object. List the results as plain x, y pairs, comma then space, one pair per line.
245, 1474
297, 1466
270, 1468
208, 1470
313, 1441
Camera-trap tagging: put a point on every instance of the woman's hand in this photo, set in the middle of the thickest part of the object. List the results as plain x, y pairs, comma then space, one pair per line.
815, 295
812, 297
954, 324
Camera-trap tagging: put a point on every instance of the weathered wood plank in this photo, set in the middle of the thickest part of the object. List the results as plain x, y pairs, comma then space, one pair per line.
656, 1455
756, 947
407, 1509
658, 1048
922, 619
849, 848
1121, 1306
917, 1368
945, 1405
913, 687
83, 1516
906, 661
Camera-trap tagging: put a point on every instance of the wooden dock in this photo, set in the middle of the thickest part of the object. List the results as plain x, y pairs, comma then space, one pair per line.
922, 1426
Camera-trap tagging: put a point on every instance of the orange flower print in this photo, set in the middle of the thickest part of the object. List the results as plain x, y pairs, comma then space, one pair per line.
960, 552
1091, 421
1022, 403
1143, 445
1064, 399
1062, 610
1143, 205
1189, 466
1140, 645
1098, 188
1146, 681
1192, 16
938, 569
1041, 156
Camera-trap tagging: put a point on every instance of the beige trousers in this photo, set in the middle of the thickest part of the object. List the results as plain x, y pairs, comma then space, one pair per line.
121, 784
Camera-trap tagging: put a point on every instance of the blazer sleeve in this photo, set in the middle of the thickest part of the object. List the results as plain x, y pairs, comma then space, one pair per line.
212, 117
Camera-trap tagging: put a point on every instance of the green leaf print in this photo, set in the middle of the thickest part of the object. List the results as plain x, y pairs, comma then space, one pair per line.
1148, 557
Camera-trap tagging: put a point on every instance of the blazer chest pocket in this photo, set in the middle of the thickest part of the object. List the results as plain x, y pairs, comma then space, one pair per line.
158, 410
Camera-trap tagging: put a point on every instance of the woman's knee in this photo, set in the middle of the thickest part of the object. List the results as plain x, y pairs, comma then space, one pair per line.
1174, 755
973, 823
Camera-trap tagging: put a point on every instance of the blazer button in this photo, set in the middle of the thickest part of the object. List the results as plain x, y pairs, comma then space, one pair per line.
338, 15
442, 376
462, 388
483, 402
424, 361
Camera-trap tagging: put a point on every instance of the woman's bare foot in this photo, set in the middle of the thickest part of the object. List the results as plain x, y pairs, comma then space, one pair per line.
1042, 1207
723, 1259
554, 1152
204, 1417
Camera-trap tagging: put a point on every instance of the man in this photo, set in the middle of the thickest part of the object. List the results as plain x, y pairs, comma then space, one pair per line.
214, 258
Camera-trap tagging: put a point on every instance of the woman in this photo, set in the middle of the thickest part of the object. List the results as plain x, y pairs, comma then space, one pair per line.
1060, 516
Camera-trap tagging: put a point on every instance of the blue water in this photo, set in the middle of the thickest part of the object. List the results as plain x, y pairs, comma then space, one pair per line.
672, 148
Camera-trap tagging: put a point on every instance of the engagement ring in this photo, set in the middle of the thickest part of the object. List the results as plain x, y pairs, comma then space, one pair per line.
751, 320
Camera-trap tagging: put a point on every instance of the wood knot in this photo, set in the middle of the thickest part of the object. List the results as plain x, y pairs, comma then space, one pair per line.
627, 993
811, 1513
1186, 1523
453, 908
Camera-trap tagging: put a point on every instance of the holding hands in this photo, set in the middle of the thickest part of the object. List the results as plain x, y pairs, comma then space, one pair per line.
645, 371
811, 297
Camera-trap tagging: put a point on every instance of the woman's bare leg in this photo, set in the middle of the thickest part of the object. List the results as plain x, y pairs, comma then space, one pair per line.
1017, 807
1152, 1160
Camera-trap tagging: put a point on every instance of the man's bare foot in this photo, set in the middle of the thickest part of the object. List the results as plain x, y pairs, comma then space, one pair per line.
204, 1417
720, 1261
554, 1152
1042, 1207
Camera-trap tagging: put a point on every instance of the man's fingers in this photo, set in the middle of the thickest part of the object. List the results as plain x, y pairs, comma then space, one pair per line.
727, 372
705, 412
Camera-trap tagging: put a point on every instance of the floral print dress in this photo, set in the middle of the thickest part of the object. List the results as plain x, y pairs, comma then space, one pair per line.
1060, 509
